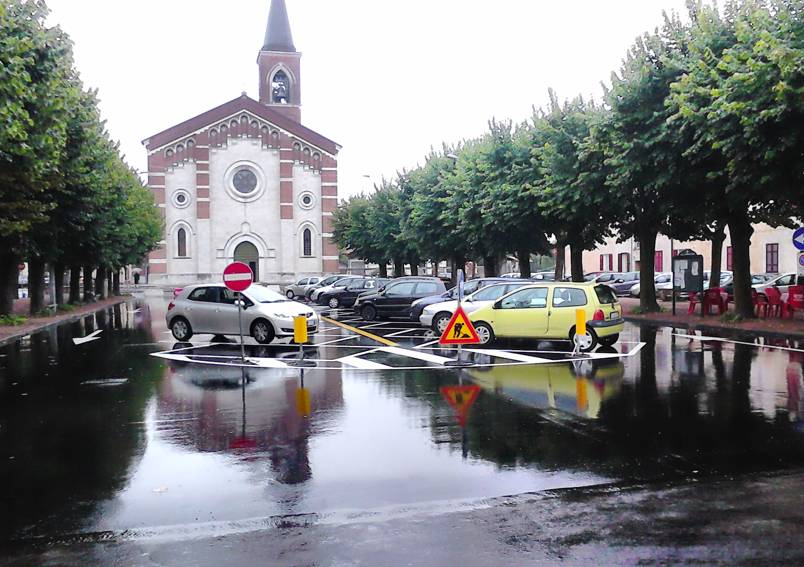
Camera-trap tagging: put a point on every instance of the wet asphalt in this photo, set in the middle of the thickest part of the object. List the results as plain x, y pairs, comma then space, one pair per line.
109, 455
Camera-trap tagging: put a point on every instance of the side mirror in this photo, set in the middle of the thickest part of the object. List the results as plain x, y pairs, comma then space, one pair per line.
497, 304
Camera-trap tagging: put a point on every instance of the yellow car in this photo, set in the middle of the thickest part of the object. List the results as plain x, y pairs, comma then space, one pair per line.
547, 311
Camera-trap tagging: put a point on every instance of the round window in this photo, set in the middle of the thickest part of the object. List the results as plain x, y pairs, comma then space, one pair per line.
181, 198
306, 200
244, 181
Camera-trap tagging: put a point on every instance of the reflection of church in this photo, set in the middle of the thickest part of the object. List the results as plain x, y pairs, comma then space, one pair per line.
246, 181
208, 413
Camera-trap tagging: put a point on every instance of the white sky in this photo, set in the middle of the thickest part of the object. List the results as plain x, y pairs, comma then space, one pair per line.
386, 79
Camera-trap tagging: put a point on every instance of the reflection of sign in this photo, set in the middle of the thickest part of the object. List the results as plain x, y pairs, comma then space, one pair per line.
461, 399
241, 443
459, 331
237, 276
798, 239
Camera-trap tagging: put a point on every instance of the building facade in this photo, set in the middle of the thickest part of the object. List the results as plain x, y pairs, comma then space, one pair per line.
247, 181
772, 252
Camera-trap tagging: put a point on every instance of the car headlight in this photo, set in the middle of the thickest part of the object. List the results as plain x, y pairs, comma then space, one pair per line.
282, 315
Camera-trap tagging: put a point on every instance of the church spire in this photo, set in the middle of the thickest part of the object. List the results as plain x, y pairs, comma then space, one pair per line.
277, 35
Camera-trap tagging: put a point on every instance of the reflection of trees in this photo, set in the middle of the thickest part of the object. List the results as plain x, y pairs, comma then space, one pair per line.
72, 445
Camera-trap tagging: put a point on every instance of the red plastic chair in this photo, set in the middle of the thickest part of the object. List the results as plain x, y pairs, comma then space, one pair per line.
713, 297
795, 299
694, 300
760, 303
776, 306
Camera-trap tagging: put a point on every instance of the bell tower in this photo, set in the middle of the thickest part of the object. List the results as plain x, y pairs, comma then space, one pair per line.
280, 65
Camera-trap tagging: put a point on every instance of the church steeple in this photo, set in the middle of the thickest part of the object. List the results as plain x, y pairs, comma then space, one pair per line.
280, 65
278, 36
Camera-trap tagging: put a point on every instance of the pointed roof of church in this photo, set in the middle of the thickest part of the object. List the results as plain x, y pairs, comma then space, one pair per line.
277, 35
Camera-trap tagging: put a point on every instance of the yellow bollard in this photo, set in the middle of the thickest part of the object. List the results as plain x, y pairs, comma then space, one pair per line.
300, 330
303, 402
580, 322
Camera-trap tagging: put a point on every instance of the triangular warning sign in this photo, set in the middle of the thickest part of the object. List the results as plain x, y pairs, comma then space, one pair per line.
460, 331
461, 399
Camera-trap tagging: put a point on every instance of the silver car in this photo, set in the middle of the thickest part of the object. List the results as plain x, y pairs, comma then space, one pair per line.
212, 309
300, 287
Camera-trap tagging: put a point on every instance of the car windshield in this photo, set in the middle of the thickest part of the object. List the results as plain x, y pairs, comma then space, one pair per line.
329, 280
259, 294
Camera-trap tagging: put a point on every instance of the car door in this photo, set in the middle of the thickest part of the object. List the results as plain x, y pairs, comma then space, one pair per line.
785, 282
201, 305
523, 313
348, 296
226, 316
396, 299
564, 301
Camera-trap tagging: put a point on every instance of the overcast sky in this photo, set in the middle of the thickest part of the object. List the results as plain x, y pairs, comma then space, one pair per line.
386, 79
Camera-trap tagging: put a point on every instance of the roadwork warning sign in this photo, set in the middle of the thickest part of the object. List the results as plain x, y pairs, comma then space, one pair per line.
460, 330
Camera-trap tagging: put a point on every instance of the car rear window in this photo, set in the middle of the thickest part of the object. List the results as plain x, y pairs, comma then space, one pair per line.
605, 294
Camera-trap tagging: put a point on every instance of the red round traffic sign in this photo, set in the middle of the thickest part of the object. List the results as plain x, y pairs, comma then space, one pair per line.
238, 276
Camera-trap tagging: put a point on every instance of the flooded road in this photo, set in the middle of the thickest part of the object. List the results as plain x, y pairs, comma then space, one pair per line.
102, 438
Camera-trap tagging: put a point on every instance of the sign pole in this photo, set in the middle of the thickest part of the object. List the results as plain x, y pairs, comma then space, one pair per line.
240, 325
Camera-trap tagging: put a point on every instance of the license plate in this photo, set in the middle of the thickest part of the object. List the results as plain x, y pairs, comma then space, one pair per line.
614, 315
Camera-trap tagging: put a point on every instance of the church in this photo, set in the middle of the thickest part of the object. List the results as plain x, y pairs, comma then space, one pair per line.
247, 181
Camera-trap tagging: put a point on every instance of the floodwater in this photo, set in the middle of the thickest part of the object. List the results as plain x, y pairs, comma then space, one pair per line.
101, 437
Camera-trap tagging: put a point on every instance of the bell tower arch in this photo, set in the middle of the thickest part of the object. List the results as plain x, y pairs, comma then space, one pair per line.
280, 65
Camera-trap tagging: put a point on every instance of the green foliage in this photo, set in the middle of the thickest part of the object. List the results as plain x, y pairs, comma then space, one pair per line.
12, 320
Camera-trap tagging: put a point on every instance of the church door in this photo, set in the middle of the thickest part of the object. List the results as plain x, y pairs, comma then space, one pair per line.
247, 253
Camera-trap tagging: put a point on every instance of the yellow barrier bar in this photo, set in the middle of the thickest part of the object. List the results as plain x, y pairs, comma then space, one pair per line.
580, 322
300, 330
359, 331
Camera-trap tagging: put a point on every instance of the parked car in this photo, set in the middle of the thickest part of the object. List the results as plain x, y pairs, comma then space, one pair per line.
395, 299
212, 309
548, 276
469, 287
665, 290
300, 287
602, 277
661, 278
437, 315
339, 282
329, 280
547, 311
623, 283
757, 281
345, 296
782, 283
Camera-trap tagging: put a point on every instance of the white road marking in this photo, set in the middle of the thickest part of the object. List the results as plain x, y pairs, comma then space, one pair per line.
340, 340
89, 338
427, 344
357, 362
705, 339
402, 332
510, 355
416, 354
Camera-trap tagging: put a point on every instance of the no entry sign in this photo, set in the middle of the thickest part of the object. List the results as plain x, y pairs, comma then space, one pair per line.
237, 276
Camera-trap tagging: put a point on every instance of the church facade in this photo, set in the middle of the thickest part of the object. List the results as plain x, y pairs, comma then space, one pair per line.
247, 181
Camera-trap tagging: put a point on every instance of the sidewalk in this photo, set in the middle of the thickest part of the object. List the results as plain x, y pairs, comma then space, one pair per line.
772, 326
34, 324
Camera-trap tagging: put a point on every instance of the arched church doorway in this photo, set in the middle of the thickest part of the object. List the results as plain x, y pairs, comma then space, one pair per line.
247, 253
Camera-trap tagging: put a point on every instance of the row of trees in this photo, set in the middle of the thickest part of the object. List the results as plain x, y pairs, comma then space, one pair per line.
701, 130
67, 198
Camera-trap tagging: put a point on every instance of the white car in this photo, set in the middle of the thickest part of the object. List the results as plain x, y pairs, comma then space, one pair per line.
661, 278
343, 282
212, 309
437, 316
782, 283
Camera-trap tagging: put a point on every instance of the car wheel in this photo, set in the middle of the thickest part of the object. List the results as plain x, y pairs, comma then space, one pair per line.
334, 303
181, 329
289, 293
610, 340
440, 323
485, 333
262, 331
368, 312
588, 342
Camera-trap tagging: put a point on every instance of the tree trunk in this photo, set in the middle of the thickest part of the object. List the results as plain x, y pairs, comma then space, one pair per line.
741, 230
383, 270
116, 283
414, 267
523, 256
717, 256
9, 281
58, 277
647, 273
576, 262
490, 266
399, 268
89, 296
560, 260
36, 284
100, 283
75, 284
109, 278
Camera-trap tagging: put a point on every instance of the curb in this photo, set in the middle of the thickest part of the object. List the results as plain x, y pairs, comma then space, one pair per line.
714, 328
71, 318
